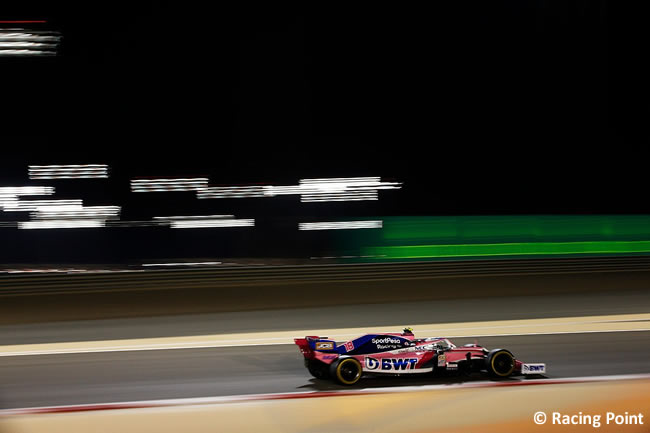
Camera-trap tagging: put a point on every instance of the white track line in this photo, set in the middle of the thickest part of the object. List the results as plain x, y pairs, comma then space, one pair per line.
549, 326
283, 341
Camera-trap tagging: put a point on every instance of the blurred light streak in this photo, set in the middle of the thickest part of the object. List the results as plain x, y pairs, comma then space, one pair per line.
204, 221
192, 217
340, 225
232, 192
212, 223
68, 171
310, 190
61, 224
42, 271
25, 53
24, 35
26, 190
343, 188
68, 271
93, 212
21, 42
9, 195
35, 205
114, 223
165, 185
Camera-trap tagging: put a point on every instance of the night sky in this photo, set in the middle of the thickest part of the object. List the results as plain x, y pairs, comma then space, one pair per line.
478, 107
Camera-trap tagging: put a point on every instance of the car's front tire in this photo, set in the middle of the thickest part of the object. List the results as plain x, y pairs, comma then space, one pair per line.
346, 371
500, 363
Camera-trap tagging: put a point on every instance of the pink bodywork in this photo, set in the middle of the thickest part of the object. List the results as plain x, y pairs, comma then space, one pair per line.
424, 356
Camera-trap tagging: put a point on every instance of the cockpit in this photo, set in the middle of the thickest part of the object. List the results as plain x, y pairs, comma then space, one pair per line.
438, 344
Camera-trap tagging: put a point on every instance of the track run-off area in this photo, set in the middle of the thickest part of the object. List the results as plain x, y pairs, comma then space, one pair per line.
125, 363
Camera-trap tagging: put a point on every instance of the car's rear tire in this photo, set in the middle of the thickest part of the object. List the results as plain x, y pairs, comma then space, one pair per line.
500, 363
346, 371
317, 369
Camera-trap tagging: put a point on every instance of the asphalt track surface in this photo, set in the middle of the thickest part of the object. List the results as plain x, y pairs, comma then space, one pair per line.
30, 381
86, 378
46, 380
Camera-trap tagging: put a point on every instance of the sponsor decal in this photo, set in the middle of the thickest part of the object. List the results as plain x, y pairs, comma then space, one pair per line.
387, 343
372, 363
387, 346
390, 364
533, 368
442, 360
324, 345
452, 366
386, 340
349, 346
329, 356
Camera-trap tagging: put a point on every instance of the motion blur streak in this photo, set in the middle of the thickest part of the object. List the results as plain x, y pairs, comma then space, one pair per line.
340, 225
510, 249
19, 35
35, 205
9, 195
61, 224
115, 223
212, 223
87, 171
232, 192
310, 190
165, 185
26, 190
344, 189
20, 42
203, 221
26, 53
103, 212
192, 217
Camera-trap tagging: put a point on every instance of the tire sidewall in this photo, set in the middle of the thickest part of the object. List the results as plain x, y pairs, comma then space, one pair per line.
489, 361
334, 370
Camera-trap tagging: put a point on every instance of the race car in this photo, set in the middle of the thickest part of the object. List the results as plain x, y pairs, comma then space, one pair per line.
402, 353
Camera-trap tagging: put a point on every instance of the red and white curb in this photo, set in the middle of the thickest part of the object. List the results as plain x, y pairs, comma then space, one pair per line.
148, 404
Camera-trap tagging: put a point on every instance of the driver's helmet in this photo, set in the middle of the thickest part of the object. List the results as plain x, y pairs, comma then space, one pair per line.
407, 331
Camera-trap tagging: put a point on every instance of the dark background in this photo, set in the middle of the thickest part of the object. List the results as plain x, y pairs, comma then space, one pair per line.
478, 107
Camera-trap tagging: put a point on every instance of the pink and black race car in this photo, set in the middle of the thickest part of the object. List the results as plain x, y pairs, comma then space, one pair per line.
402, 353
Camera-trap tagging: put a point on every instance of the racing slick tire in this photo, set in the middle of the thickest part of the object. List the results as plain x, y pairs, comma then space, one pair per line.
317, 369
346, 371
500, 363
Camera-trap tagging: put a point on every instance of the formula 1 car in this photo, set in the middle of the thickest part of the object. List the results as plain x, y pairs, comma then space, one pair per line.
402, 353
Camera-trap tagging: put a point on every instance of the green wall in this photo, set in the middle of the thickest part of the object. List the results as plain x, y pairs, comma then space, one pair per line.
501, 237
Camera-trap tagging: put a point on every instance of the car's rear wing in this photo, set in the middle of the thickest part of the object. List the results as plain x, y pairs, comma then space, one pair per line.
312, 343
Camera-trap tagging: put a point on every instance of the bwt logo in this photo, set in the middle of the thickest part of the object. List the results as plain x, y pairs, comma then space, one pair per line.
533, 368
390, 364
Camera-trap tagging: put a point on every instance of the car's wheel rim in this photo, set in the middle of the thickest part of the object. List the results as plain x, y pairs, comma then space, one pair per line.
503, 364
349, 371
